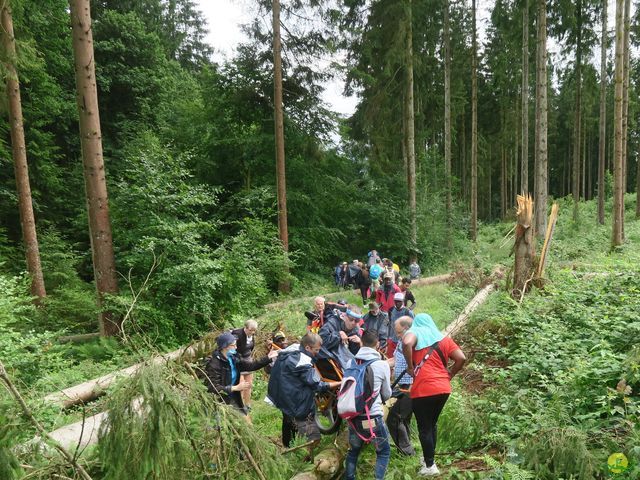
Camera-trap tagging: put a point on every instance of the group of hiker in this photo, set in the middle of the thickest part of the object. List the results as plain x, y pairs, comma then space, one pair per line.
358, 355
371, 276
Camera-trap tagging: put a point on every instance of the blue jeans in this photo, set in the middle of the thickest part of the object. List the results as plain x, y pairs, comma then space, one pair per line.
381, 443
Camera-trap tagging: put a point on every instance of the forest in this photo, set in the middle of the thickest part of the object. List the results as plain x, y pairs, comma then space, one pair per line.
154, 195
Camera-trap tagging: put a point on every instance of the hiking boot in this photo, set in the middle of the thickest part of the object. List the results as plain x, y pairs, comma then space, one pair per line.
429, 471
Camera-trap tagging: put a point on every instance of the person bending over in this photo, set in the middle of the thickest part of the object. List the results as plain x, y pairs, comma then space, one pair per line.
427, 353
294, 383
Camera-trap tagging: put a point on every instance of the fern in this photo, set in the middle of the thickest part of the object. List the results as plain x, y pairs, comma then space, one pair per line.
507, 471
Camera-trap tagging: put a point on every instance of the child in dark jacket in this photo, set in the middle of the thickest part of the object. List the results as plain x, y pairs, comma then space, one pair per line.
223, 371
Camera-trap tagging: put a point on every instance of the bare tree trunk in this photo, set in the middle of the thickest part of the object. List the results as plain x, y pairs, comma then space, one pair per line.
524, 250
19, 150
447, 110
583, 176
637, 188
540, 208
602, 141
616, 233
503, 183
104, 267
524, 172
463, 158
281, 180
577, 121
625, 106
474, 128
411, 151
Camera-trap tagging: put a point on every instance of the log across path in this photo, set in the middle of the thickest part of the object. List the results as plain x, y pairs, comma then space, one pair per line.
92, 389
420, 282
85, 432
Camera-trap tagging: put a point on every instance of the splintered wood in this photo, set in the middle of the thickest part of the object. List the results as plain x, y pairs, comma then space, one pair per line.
525, 248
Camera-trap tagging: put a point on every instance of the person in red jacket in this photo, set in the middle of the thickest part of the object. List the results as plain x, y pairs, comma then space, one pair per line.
427, 353
384, 295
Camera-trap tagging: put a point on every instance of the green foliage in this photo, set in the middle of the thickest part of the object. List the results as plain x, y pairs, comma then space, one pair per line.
163, 424
10, 468
507, 471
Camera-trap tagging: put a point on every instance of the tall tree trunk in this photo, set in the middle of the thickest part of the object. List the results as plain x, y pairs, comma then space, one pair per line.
281, 180
616, 230
583, 173
474, 127
503, 183
20, 165
463, 159
104, 266
524, 172
410, 118
577, 121
540, 208
447, 110
625, 106
602, 141
637, 188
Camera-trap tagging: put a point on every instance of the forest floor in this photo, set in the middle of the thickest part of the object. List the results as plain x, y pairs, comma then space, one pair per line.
551, 388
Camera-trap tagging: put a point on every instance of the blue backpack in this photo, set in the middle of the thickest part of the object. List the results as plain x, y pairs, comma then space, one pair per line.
375, 271
356, 394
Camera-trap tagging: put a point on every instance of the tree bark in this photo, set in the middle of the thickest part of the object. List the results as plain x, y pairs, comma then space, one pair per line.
410, 131
577, 122
20, 164
281, 181
625, 106
104, 267
602, 141
447, 110
637, 188
540, 208
474, 127
503, 183
524, 169
616, 228
524, 249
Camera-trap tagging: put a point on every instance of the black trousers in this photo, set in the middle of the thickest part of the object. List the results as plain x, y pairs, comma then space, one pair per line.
288, 430
399, 423
427, 410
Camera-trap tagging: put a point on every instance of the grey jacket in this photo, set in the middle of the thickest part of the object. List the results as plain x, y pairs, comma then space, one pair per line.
381, 377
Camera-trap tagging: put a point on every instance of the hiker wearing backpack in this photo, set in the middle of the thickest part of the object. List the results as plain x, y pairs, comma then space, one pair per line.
294, 383
427, 353
375, 272
398, 310
365, 386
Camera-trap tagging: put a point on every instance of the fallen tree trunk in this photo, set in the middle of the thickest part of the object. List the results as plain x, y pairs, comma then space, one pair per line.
415, 283
92, 389
455, 326
80, 338
327, 464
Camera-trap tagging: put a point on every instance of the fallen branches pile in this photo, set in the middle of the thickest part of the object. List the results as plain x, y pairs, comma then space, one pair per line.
163, 424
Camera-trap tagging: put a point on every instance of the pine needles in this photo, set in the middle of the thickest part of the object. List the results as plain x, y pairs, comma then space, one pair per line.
163, 424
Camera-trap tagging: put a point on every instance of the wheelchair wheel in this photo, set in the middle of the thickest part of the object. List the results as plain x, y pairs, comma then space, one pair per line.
326, 414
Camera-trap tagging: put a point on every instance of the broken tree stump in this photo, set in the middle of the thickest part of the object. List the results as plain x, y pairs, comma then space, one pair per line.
524, 248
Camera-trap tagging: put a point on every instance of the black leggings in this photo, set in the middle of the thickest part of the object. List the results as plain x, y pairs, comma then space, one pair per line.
427, 410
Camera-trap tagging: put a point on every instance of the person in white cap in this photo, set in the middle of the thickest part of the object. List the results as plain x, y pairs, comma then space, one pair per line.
398, 310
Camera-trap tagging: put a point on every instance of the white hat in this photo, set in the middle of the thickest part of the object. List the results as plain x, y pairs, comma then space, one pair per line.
398, 297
